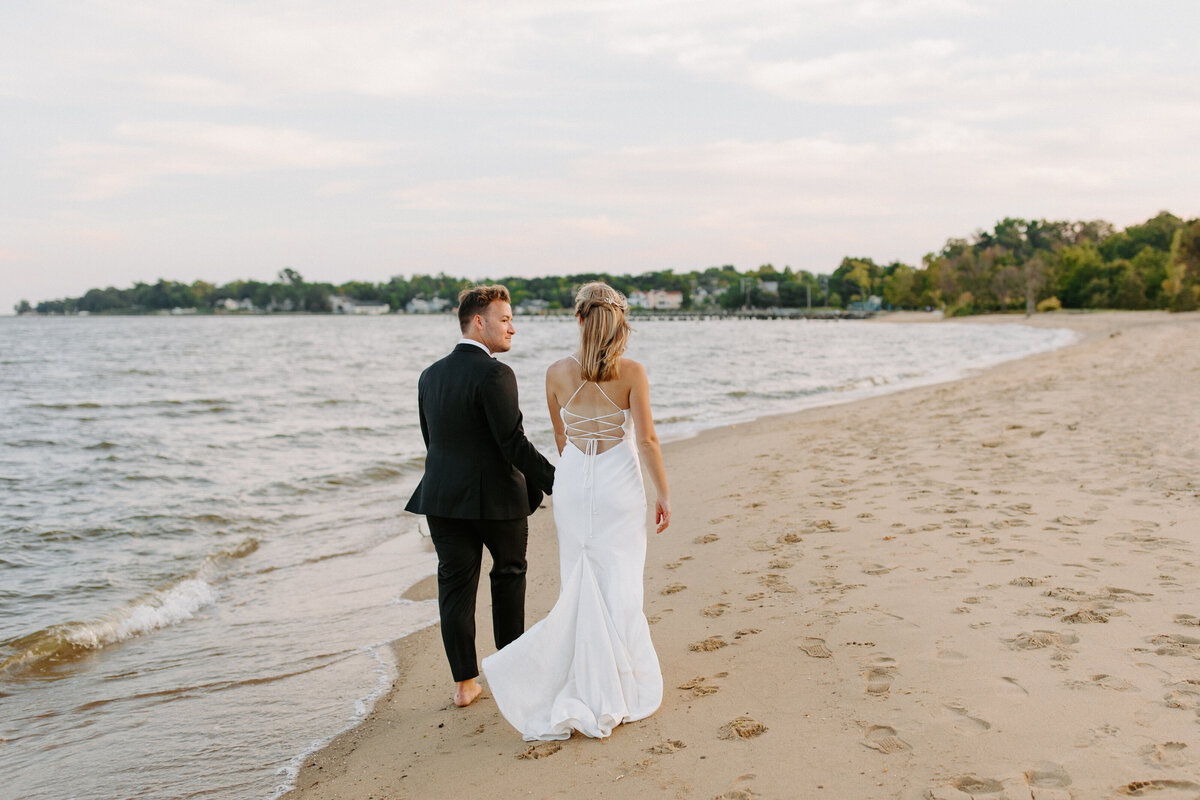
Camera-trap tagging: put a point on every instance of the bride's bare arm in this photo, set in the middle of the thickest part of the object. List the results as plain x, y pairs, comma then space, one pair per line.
647, 439
560, 432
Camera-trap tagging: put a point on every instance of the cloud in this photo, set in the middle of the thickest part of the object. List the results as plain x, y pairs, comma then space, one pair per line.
365, 47
144, 152
598, 227
194, 90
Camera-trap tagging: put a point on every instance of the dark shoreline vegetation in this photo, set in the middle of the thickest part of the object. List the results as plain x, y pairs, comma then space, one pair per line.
1018, 265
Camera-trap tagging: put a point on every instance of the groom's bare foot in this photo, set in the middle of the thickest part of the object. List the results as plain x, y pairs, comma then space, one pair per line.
468, 692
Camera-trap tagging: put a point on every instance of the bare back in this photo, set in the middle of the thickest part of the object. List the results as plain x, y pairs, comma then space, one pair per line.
589, 415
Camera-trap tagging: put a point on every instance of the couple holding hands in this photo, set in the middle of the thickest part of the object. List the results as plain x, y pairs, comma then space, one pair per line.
589, 665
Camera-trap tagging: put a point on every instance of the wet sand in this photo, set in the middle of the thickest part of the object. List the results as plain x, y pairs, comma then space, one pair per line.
987, 588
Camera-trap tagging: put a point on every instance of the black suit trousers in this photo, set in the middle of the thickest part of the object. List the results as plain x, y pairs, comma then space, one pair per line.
459, 544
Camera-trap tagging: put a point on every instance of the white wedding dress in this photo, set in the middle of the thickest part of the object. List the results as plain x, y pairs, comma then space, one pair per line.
590, 664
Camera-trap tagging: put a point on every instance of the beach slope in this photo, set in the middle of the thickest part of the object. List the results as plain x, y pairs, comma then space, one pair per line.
987, 588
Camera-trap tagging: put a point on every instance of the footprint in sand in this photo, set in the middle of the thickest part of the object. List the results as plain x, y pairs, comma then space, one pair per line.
814, 647
734, 793
885, 740
1084, 616
708, 645
747, 632
965, 787
667, 747
1184, 695
1187, 619
1048, 781
1156, 787
967, 722
1102, 681
1167, 754
1174, 644
699, 687
741, 728
672, 588
1041, 639
707, 538
715, 610
541, 750
777, 582
879, 674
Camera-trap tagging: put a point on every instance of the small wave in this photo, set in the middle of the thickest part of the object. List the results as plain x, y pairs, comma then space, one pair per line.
240, 550
160, 608
66, 406
32, 443
69, 641
101, 446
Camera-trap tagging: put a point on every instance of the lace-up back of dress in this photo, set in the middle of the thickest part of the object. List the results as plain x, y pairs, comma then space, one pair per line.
594, 422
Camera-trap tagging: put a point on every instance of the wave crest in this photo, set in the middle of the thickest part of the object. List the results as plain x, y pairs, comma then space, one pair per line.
69, 641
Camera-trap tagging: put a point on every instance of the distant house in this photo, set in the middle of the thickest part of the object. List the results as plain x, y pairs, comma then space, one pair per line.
663, 300
873, 303
638, 300
371, 307
341, 304
770, 287
419, 305
229, 304
534, 305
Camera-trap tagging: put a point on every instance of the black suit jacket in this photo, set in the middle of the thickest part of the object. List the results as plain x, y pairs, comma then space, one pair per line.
479, 464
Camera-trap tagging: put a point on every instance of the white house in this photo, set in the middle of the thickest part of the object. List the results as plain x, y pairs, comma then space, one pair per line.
420, 305
372, 307
340, 304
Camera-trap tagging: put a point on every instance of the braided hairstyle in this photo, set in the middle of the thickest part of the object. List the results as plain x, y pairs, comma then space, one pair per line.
604, 333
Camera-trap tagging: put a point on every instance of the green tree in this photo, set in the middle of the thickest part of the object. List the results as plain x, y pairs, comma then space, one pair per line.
899, 286
1182, 284
1080, 275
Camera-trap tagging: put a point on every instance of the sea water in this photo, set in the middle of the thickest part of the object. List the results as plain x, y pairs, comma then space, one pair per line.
203, 547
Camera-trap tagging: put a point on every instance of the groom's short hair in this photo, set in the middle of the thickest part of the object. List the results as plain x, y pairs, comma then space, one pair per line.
474, 300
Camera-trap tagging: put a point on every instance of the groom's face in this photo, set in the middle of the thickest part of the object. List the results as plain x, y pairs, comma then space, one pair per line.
498, 329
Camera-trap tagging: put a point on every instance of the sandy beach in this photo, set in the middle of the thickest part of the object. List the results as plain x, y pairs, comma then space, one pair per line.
985, 588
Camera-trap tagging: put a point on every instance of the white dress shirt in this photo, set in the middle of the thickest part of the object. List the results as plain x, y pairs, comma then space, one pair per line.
475, 342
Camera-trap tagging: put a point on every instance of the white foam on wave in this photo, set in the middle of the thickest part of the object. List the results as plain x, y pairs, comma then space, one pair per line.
158, 609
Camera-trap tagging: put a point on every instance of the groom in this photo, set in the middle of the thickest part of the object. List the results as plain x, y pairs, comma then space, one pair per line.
482, 480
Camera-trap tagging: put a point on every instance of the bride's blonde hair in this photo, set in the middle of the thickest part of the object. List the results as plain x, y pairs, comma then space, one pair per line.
604, 332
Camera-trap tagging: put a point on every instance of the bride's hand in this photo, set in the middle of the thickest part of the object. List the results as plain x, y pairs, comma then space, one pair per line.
662, 513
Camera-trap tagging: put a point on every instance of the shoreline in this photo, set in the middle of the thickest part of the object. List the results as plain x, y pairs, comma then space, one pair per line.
764, 577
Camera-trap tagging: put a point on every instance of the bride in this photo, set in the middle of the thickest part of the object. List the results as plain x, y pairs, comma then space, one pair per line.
590, 664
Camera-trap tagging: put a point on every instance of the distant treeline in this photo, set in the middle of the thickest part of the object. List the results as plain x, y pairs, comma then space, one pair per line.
1019, 264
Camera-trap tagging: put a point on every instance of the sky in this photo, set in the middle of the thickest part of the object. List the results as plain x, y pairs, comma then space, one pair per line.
358, 140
